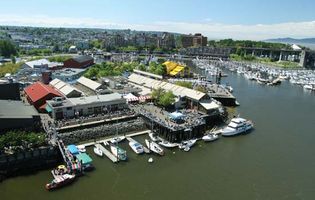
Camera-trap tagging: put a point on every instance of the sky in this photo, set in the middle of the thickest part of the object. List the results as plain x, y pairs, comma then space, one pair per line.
242, 19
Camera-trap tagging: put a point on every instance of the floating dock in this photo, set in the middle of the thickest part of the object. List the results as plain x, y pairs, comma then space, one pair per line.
107, 153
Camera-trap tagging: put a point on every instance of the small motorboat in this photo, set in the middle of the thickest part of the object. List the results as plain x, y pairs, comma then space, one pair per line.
154, 147
187, 144
98, 151
117, 139
81, 148
120, 153
168, 144
150, 160
59, 181
153, 137
210, 137
136, 147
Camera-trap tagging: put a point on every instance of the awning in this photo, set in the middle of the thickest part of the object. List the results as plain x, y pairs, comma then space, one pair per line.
176, 115
48, 108
72, 149
209, 105
84, 158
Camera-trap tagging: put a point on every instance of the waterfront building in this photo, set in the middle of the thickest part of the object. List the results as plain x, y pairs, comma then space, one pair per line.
37, 94
82, 61
90, 84
17, 115
85, 106
65, 89
40, 65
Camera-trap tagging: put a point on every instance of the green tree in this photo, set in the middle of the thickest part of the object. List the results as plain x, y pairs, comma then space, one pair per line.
7, 49
167, 99
184, 84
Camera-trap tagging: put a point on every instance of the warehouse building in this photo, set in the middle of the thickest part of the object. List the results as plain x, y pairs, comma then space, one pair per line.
84, 106
17, 115
65, 89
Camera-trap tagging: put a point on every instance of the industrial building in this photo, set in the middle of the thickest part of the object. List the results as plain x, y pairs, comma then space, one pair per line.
68, 74
17, 115
82, 62
65, 89
38, 93
60, 108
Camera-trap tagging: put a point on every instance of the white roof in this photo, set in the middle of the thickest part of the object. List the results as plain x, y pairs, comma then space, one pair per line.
42, 62
63, 87
295, 47
209, 105
89, 83
96, 98
177, 90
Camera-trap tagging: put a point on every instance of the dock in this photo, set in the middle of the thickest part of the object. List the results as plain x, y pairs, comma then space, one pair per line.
107, 153
108, 139
146, 150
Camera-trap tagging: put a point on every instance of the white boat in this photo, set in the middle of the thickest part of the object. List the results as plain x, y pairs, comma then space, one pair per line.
81, 148
117, 139
237, 126
308, 87
168, 144
120, 153
150, 160
136, 147
154, 147
98, 151
187, 144
153, 137
210, 137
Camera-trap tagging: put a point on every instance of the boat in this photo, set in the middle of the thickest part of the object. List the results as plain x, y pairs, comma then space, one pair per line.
81, 148
168, 144
117, 139
308, 87
59, 181
136, 147
237, 126
210, 137
98, 151
120, 153
187, 144
153, 137
150, 160
153, 146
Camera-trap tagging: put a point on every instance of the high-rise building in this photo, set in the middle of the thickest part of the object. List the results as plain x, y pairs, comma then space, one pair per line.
197, 40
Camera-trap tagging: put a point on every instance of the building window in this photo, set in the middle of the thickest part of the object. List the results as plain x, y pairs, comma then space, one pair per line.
69, 108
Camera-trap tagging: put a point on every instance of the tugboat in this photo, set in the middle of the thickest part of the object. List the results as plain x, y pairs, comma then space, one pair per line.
60, 180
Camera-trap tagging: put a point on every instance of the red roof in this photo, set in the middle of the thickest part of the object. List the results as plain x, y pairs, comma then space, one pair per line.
39, 90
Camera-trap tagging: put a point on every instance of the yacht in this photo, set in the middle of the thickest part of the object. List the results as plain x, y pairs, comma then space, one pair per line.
154, 147
60, 180
136, 147
98, 151
237, 126
120, 153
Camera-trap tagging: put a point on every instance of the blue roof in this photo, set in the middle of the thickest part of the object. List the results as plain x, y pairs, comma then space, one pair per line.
84, 158
176, 115
73, 149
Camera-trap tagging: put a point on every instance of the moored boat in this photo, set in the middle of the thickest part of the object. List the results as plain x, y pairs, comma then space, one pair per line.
136, 147
237, 126
210, 137
81, 148
59, 181
120, 153
153, 137
98, 151
153, 146
168, 144
186, 145
117, 139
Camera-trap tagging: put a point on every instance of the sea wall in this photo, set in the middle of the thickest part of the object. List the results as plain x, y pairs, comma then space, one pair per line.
103, 130
28, 161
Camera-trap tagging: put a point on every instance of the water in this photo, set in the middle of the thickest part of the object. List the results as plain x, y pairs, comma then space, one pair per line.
275, 161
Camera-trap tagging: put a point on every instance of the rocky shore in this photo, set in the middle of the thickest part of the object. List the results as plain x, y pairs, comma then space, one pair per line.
102, 131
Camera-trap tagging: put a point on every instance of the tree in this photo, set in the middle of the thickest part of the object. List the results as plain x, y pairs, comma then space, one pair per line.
157, 93
7, 49
167, 99
184, 84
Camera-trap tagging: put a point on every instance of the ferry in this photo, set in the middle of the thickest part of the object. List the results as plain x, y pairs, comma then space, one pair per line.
237, 126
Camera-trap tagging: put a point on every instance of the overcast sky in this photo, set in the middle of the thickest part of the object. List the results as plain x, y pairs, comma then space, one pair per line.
243, 19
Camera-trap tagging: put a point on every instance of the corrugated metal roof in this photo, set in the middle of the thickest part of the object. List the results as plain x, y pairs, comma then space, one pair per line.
39, 90
83, 58
96, 98
177, 90
89, 83
63, 87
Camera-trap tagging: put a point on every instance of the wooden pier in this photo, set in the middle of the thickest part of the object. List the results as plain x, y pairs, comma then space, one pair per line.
107, 153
